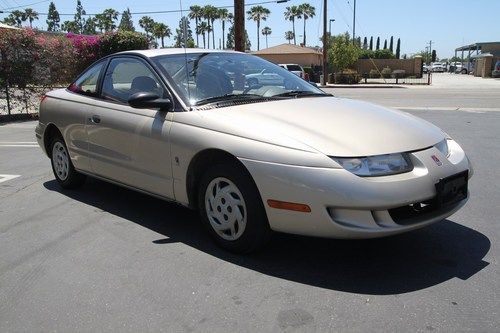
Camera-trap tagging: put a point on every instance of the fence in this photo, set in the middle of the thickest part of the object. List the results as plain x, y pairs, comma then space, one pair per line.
20, 101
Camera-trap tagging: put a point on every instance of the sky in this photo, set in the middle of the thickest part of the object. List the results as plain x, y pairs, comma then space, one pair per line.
448, 23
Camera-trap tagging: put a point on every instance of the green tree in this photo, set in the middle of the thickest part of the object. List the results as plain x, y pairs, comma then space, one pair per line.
385, 45
184, 34
147, 24
365, 43
371, 43
292, 13
16, 17
266, 31
70, 26
107, 20
210, 13
78, 18
398, 49
53, 18
90, 26
201, 29
160, 31
230, 39
30, 15
391, 44
126, 23
196, 14
307, 12
378, 44
224, 15
257, 14
342, 53
289, 36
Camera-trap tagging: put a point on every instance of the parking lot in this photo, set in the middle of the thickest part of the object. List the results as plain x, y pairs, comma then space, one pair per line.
107, 258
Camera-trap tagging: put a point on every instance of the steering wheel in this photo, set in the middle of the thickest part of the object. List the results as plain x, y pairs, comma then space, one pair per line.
250, 87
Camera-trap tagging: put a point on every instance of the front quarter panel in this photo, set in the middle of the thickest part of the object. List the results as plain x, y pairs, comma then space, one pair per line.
189, 137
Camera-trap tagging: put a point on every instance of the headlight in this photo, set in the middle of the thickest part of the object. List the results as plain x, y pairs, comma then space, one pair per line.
380, 165
443, 147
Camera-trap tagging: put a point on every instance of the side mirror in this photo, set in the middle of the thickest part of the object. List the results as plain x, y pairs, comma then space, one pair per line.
149, 100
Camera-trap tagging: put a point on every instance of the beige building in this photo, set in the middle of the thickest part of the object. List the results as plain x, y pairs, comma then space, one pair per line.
291, 54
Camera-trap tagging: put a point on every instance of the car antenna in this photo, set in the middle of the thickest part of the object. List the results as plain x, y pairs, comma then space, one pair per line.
184, 33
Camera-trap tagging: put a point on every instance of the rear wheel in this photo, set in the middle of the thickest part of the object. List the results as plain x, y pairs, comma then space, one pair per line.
231, 209
63, 169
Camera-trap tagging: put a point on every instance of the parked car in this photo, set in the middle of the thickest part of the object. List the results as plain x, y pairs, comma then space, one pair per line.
496, 69
265, 77
252, 159
295, 69
438, 67
425, 69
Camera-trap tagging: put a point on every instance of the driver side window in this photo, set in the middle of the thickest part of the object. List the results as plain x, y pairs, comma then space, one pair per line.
127, 76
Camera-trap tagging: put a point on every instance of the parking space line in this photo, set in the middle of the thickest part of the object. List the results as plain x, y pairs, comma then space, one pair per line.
4, 178
18, 144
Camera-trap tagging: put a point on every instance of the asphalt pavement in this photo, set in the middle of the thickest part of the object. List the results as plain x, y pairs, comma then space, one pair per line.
104, 258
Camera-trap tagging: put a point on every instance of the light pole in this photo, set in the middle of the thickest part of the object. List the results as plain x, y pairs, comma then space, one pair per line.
331, 20
354, 24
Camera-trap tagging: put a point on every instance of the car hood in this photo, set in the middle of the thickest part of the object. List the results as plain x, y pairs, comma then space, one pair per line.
330, 125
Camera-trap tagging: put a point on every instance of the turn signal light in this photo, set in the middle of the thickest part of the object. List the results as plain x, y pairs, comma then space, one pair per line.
297, 207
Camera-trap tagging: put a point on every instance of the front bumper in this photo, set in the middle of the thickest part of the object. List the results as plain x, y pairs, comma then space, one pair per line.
344, 205
39, 133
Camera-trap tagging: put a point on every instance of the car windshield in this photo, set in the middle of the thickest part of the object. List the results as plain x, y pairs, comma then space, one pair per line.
201, 78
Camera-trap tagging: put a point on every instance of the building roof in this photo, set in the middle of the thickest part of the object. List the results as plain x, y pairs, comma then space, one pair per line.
287, 49
476, 46
5, 26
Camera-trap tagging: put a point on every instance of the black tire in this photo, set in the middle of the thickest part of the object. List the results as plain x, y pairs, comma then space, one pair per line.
256, 233
70, 179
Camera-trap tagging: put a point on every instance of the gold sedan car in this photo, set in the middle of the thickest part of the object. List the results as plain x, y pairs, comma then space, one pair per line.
252, 157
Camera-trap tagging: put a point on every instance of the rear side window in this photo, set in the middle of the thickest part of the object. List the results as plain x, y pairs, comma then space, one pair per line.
86, 84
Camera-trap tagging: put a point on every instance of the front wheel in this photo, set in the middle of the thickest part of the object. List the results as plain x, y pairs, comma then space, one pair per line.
62, 167
231, 209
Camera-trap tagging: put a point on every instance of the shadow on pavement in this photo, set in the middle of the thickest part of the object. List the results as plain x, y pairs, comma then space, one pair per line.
393, 265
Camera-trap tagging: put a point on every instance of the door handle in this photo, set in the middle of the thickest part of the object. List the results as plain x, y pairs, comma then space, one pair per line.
95, 119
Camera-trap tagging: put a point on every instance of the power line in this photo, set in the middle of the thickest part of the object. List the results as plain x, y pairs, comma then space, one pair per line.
144, 13
30, 4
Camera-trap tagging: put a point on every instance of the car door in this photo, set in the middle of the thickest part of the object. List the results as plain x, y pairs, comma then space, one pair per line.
128, 145
72, 113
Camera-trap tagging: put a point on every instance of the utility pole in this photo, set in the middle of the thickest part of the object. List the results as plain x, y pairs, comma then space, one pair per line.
325, 44
354, 24
430, 50
330, 27
239, 25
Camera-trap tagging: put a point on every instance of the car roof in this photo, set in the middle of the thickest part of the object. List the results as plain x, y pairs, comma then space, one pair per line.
168, 51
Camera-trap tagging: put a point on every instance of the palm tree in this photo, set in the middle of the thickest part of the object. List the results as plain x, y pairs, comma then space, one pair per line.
196, 13
201, 29
224, 15
161, 30
147, 24
210, 14
266, 31
289, 35
307, 11
257, 14
30, 15
291, 14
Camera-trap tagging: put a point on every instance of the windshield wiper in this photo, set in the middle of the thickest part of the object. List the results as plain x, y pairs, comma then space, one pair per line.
229, 97
301, 93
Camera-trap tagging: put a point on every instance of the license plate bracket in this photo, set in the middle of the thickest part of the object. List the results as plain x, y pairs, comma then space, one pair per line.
452, 189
